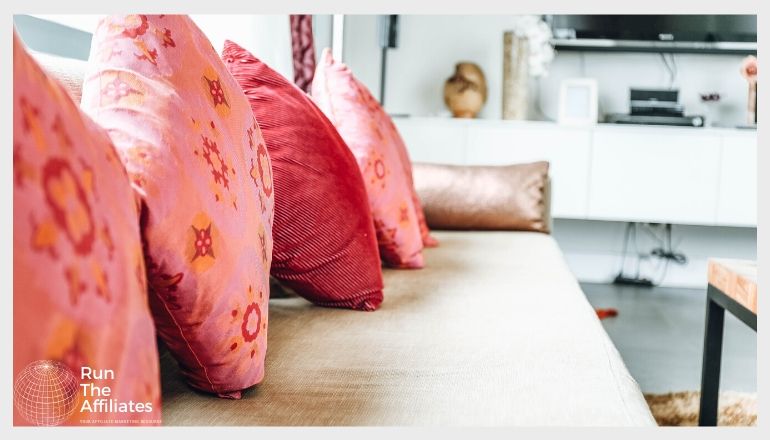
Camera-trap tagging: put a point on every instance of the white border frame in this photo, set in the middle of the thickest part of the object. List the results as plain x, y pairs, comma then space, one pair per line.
593, 111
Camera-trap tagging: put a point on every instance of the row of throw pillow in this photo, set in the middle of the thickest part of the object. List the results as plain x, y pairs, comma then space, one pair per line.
198, 177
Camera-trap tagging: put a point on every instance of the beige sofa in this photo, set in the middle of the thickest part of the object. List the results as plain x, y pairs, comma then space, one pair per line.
495, 330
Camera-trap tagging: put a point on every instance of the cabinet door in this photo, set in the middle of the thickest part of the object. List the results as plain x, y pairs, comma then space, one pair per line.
666, 176
738, 181
433, 140
566, 149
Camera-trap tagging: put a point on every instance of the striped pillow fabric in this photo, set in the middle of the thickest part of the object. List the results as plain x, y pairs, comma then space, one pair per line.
324, 245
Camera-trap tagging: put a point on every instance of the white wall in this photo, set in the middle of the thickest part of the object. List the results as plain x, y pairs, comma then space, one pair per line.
268, 37
361, 52
322, 33
430, 45
54, 34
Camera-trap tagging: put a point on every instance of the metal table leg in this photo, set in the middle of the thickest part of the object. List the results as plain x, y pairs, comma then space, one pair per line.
712, 361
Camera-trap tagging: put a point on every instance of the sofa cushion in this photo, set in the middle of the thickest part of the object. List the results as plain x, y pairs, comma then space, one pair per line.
360, 121
197, 159
510, 197
324, 244
495, 331
79, 287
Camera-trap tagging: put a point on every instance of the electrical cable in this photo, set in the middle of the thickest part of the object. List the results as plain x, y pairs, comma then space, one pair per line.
665, 63
664, 251
676, 67
670, 67
639, 255
649, 229
625, 249
668, 254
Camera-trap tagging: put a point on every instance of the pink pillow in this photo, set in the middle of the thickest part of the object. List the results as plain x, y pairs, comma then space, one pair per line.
79, 287
198, 161
328, 254
427, 239
353, 110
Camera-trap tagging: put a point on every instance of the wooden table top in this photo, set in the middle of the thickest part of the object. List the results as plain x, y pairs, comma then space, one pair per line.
737, 279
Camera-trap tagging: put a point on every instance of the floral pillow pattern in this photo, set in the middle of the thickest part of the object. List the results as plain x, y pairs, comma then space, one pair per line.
202, 173
354, 112
79, 285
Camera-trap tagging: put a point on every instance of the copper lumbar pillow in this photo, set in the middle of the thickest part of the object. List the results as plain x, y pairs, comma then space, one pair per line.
511, 197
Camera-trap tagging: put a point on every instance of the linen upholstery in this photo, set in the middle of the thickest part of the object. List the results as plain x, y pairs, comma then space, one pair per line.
68, 71
493, 331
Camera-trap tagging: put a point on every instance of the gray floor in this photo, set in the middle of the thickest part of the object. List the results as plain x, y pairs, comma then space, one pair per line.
659, 333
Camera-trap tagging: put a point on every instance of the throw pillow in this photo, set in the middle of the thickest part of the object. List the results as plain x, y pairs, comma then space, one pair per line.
324, 244
197, 159
354, 113
511, 197
79, 287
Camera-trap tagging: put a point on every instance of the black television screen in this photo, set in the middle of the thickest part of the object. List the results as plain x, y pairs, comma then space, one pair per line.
674, 33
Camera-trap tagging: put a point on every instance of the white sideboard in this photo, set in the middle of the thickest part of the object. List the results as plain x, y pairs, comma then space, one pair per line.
680, 175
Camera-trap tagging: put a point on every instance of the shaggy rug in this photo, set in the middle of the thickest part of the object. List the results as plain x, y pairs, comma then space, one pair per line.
681, 409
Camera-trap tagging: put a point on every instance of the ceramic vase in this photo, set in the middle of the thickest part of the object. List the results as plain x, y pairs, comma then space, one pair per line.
465, 92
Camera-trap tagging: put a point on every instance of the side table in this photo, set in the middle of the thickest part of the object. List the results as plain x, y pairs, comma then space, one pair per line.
732, 286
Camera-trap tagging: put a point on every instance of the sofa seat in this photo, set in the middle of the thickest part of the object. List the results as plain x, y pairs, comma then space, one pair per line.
495, 330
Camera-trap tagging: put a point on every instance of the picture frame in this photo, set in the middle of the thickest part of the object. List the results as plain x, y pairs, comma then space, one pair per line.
579, 102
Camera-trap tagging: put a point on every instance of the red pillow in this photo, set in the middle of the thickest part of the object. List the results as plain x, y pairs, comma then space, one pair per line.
79, 286
197, 159
324, 246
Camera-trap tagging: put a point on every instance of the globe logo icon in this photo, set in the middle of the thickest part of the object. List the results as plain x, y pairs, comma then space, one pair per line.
46, 393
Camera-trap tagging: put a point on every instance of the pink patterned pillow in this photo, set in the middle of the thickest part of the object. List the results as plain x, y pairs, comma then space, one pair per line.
196, 157
427, 239
354, 112
79, 287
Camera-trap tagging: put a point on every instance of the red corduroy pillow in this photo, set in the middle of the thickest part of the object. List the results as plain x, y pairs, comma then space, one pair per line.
325, 246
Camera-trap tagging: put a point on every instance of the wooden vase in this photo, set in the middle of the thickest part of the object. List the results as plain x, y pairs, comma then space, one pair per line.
465, 92
515, 76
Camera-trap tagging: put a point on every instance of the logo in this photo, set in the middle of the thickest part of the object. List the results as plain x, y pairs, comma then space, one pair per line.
46, 393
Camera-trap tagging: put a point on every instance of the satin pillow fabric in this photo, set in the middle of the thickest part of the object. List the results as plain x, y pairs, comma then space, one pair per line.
200, 167
364, 127
510, 197
79, 286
